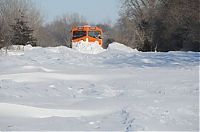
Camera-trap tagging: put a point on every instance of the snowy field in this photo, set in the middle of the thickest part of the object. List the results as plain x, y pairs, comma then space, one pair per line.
118, 89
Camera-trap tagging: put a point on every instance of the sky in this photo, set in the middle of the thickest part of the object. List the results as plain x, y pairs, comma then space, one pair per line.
95, 11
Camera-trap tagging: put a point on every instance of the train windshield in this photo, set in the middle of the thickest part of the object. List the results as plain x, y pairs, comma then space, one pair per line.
79, 34
94, 34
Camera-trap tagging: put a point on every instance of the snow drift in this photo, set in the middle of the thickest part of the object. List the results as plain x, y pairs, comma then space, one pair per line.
6, 109
117, 89
120, 47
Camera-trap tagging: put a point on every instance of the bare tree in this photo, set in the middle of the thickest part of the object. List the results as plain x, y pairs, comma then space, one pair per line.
160, 24
60, 29
139, 16
179, 25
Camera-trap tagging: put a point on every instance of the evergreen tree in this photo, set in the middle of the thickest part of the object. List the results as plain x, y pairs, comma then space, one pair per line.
22, 33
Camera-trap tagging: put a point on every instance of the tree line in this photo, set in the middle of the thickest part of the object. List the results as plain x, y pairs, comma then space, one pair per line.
159, 25
147, 25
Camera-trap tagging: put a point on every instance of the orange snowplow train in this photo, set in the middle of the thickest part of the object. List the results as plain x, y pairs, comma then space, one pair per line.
87, 34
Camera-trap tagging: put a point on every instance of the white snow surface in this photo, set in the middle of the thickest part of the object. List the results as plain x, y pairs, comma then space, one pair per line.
120, 47
87, 47
117, 89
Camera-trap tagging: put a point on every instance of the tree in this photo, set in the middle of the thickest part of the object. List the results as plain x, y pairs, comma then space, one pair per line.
59, 30
22, 33
9, 11
161, 25
179, 25
138, 19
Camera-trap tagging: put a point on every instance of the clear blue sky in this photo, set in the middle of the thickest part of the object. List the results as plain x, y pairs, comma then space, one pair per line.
95, 11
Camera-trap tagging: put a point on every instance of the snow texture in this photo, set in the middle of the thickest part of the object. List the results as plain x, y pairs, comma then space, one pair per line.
87, 47
117, 89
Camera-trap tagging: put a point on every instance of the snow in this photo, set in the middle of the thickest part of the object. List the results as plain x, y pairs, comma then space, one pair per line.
117, 89
87, 47
120, 47
28, 111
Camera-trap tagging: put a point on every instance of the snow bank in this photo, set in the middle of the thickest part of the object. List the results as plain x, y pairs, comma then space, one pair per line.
116, 55
94, 48
82, 47
120, 47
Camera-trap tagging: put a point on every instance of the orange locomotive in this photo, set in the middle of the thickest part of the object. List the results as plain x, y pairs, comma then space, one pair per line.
87, 34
